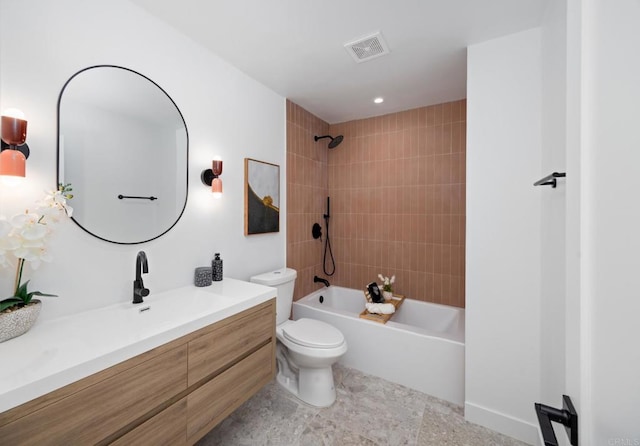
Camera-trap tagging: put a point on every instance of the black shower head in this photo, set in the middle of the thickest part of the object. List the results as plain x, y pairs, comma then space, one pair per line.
335, 142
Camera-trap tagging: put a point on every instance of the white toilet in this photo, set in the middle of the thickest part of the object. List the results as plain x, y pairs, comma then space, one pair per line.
306, 348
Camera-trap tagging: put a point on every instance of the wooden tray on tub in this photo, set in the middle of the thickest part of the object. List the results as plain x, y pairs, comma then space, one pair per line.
396, 300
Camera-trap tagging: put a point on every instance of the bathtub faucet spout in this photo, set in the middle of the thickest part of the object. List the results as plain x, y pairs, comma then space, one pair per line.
320, 279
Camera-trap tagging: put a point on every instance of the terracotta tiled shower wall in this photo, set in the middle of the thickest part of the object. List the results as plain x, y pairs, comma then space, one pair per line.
397, 187
307, 192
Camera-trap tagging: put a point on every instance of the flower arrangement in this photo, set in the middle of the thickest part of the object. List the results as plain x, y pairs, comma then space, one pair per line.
24, 237
386, 283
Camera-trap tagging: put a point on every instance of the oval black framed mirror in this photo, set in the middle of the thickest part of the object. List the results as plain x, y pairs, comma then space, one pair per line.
123, 146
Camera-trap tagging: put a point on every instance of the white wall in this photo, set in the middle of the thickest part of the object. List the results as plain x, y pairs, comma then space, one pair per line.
589, 226
553, 213
43, 43
503, 234
611, 214
576, 332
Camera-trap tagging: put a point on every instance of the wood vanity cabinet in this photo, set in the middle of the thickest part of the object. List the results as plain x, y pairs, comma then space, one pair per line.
172, 395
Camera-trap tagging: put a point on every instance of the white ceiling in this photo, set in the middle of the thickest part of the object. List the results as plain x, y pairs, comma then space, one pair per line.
295, 47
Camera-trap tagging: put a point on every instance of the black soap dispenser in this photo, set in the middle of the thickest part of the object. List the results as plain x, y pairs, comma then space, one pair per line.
216, 268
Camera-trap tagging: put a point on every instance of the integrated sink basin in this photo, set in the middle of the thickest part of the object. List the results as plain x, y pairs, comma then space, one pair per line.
171, 308
59, 351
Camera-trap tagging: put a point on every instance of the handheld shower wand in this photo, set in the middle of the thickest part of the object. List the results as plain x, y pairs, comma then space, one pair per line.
327, 243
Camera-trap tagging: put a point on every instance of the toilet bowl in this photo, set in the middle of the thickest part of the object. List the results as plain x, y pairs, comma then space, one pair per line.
306, 352
306, 349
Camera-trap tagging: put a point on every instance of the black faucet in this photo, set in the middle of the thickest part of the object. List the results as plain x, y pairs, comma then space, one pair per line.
139, 291
320, 279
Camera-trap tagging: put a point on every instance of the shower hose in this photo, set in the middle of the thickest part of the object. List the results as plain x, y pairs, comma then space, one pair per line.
327, 248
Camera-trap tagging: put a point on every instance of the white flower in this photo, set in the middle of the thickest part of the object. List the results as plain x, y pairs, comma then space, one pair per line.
28, 226
7, 242
33, 254
54, 206
24, 236
386, 282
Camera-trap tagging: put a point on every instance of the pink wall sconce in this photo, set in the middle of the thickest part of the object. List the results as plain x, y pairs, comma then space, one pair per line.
14, 151
210, 177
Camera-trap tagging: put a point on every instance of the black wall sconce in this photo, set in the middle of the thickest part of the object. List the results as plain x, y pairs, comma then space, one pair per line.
210, 177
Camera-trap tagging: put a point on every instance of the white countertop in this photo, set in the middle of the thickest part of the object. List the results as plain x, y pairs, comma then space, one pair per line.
57, 352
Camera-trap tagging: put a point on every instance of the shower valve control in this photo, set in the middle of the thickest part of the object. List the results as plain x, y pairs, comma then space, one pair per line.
316, 231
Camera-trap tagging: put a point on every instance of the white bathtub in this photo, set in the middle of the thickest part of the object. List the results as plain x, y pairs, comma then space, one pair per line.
421, 347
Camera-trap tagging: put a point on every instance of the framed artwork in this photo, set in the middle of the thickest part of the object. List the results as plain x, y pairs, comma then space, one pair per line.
261, 197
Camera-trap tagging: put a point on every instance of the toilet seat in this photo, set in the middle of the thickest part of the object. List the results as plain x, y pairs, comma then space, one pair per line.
313, 333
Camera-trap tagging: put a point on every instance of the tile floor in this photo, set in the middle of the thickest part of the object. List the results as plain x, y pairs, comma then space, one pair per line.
368, 411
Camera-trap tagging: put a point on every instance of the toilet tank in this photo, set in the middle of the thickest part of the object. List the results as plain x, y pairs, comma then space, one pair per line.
284, 280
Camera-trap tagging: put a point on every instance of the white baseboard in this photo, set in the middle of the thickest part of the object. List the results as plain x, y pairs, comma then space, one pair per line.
505, 424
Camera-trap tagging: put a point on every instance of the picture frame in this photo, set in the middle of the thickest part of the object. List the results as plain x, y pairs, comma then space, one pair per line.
261, 197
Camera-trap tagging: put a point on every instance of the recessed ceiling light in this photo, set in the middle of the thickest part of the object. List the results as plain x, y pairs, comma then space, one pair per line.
378, 100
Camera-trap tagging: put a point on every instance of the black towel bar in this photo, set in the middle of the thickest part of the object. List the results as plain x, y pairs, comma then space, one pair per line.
137, 198
550, 180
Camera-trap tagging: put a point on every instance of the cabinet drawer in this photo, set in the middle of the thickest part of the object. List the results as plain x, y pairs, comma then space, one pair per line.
226, 343
168, 428
90, 415
215, 400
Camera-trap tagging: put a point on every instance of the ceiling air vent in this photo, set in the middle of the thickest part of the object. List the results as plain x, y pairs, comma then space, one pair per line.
367, 48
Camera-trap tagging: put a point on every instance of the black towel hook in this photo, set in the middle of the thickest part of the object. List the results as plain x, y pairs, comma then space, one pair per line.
550, 180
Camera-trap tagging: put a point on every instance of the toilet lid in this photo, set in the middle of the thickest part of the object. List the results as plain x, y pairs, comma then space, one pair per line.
313, 333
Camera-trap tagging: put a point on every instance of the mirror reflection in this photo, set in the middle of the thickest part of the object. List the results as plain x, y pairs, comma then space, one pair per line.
123, 146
